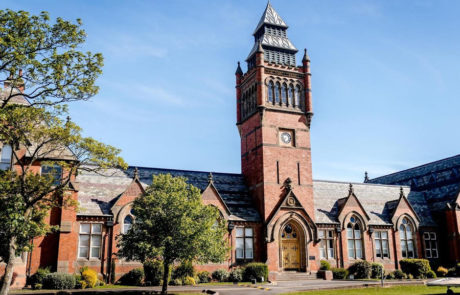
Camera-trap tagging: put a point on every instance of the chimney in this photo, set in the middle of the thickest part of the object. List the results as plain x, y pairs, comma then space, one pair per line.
15, 82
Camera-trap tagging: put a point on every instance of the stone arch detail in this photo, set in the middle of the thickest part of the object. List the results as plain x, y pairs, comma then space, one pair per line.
397, 222
273, 231
362, 220
125, 210
303, 239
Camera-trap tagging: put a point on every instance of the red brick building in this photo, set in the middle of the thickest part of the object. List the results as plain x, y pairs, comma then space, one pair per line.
276, 213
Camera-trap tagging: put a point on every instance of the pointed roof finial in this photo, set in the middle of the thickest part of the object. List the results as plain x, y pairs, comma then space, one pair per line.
305, 55
136, 173
350, 190
259, 47
238, 70
288, 183
401, 192
210, 177
366, 177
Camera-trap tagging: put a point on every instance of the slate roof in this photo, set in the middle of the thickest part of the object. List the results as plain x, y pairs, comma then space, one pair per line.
16, 99
270, 17
378, 201
98, 193
438, 181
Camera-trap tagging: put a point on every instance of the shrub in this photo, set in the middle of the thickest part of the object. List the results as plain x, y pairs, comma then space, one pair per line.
185, 269
80, 284
153, 270
325, 265
451, 272
390, 276
360, 269
236, 275
442, 271
59, 281
255, 270
37, 278
376, 270
339, 273
176, 282
90, 277
204, 276
399, 274
431, 275
133, 277
220, 275
189, 281
418, 268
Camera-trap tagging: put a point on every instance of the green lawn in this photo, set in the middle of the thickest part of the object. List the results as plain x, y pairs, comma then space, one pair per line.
397, 290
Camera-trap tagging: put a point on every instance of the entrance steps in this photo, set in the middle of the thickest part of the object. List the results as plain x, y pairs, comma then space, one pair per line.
296, 276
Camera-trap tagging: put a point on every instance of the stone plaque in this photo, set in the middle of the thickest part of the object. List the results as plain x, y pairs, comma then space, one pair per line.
66, 227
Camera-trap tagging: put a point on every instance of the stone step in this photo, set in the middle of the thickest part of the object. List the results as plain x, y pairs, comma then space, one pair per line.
296, 276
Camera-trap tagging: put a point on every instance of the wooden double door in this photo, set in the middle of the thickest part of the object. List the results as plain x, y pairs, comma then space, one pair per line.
291, 247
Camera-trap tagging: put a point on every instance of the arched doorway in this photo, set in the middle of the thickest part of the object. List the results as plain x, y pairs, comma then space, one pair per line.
292, 250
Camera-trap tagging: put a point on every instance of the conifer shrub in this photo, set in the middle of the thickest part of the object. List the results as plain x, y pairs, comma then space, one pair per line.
255, 270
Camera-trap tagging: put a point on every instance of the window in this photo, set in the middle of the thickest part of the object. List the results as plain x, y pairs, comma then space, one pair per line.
55, 171
284, 94
326, 246
381, 244
90, 241
354, 237
431, 247
244, 243
270, 92
407, 239
277, 93
127, 223
297, 96
291, 95
6, 154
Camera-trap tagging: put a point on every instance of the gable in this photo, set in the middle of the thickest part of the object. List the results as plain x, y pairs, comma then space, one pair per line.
211, 196
133, 191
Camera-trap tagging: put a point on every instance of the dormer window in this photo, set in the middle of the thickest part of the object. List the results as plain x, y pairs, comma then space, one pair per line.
6, 155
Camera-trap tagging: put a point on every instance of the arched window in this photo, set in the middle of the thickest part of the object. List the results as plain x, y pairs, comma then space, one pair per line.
284, 94
270, 92
406, 235
127, 223
355, 240
277, 93
291, 95
5, 159
297, 97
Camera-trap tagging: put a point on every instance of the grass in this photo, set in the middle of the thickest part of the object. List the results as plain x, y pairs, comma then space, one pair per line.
399, 290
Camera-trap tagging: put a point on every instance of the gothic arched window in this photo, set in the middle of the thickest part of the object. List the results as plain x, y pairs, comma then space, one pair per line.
284, 94
406, 235
277, 93
291, 95
270, 92
297, 96
127, 223
354, 239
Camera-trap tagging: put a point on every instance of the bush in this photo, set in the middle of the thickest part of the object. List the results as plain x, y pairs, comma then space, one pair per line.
325, 265
390, 276
220, 275
431, 275
339, 273
376, 270
133, 277
37, 278
80, 284
90, 277
189, 281
204, 276
185, 269
442, 271
236, 275
360, 269
59, 281
153, 270
451, 272
176, 282
399, 274
418, 268
255, 270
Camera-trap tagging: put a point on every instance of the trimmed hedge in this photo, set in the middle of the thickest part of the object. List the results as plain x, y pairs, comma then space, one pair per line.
324, 265
255, 270
133, 277
59, 281
339, 273
418, 268
361, 269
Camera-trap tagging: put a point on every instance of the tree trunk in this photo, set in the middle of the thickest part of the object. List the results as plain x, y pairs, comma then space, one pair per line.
9, 268
166, 269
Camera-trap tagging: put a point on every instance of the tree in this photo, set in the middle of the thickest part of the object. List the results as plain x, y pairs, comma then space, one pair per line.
173, 224
44, 58
41, 136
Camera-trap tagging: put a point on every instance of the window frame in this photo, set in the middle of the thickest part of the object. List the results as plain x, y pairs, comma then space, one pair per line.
244, 237
431, 241
403, 228
90, 246
327, 239
6, 161
379, 240
57, 176
124, 231
352, 224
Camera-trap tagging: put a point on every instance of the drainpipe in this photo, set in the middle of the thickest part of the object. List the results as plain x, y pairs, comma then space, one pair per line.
371, 231
339, 233
109, 252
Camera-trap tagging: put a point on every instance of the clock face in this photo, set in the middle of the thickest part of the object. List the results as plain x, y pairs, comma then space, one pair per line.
286, 137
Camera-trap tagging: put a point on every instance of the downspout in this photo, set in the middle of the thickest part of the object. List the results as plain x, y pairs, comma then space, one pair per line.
339, 233
109, 252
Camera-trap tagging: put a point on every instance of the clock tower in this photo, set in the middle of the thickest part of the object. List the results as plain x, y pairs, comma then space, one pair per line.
274, 111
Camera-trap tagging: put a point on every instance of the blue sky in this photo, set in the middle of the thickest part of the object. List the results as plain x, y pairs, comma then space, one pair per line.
385, 79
